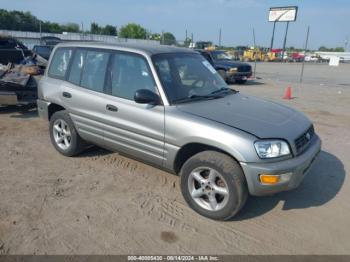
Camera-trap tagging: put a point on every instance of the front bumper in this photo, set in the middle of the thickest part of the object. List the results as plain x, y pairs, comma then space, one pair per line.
239, 76
43, 109
297, 166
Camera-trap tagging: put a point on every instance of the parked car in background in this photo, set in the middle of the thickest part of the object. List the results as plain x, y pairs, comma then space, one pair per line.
296, 57
12, 50
43, 50
17, 88
231, 71
46, 46
50, 40
311, 58
169, 107
201, 45
20, 70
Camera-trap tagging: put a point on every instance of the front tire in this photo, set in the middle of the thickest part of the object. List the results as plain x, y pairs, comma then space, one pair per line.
213, 184
241, 82
222, 73
64, 136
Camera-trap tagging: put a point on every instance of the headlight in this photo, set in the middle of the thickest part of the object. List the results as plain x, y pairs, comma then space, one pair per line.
233, 69
271, 148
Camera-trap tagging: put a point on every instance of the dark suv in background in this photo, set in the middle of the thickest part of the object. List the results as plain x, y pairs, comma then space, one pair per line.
47, 43
230, 70
43, 50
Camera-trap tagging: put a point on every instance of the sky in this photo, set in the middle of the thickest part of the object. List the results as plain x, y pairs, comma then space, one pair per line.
329, 20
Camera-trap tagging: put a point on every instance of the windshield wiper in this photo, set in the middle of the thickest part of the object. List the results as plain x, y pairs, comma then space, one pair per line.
224, 90
196, 98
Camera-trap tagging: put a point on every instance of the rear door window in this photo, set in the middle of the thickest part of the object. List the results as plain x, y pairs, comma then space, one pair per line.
94, 70
77, 67
60, 62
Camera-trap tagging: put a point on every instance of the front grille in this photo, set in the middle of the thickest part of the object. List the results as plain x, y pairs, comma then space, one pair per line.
244, 68
303, 141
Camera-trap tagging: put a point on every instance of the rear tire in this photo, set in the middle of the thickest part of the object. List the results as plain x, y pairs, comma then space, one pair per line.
213, 184
64, 136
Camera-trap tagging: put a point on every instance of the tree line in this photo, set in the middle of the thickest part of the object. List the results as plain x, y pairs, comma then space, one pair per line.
25, 21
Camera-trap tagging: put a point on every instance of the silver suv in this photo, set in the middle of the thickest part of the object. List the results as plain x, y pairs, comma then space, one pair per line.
169, 107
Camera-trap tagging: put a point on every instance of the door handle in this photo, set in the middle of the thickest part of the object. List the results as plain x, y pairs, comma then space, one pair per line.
66, 94
112, 108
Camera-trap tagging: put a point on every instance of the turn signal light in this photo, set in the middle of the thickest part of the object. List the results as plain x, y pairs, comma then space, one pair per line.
269, 179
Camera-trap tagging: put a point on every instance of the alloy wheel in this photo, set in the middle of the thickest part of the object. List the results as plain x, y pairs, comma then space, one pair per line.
208, 188
62, 134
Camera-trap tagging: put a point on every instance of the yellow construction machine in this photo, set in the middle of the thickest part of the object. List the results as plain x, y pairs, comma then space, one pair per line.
253, 54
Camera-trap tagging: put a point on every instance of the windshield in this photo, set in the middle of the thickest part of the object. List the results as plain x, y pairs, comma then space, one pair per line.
188, 76
221, 55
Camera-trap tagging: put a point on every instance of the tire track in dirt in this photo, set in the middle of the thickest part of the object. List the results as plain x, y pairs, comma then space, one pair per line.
178, 217
166, 211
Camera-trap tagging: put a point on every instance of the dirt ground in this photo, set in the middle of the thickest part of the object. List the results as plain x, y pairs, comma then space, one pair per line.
104, 203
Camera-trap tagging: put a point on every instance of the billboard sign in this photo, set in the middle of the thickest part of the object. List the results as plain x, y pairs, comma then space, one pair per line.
283, 14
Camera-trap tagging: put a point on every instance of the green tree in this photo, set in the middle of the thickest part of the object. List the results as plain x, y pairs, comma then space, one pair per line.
339, 49
71, 27
25, 21
133, 30
326, 49
187, 42
168, 39
109, 30
95, 28
323, 49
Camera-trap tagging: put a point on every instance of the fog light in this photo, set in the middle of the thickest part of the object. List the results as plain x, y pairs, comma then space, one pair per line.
286, 177
269, 179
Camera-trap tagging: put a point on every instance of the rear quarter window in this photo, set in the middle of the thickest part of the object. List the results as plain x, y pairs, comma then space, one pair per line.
59, 63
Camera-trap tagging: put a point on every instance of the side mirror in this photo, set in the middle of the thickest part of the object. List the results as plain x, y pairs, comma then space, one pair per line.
145, 96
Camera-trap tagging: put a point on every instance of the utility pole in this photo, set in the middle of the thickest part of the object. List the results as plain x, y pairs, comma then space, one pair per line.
273, 34
285, 41
346, 44
82, 30
305, 48
274, 27
254, 53
192, 40
219, 37
40, 31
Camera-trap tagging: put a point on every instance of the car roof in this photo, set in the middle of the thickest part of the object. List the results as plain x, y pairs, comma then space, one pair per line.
150, 49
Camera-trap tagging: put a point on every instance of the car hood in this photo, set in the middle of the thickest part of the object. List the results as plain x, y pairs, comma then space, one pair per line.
263, 119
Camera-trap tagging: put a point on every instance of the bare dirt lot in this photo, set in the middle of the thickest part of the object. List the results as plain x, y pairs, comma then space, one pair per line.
104, 203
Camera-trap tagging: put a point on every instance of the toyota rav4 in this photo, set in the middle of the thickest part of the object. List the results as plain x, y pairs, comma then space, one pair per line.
169, 107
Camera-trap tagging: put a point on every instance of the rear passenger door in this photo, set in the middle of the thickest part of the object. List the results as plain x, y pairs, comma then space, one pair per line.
83, 92
132, 128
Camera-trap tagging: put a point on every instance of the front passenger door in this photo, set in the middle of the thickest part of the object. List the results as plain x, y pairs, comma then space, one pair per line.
132, 128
